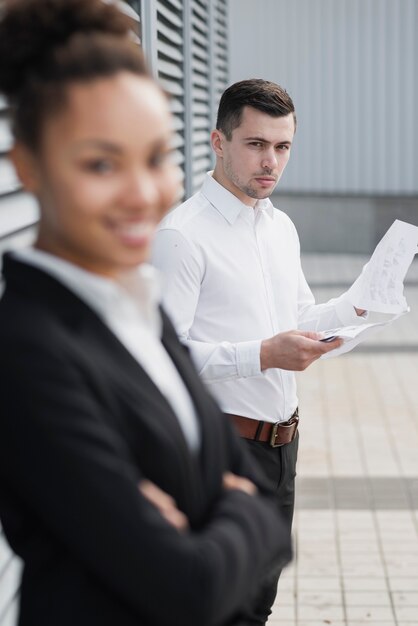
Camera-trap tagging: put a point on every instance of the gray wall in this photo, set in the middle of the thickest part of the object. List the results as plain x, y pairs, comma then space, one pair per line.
351, 68
344, 224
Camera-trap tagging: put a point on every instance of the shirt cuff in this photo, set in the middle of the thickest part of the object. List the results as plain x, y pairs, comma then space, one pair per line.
347, 313
248, 358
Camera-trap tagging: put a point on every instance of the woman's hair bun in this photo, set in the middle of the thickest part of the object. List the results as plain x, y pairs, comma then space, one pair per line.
30, 30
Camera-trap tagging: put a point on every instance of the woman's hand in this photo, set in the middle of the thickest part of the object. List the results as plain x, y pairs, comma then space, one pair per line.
165, 504
232, 481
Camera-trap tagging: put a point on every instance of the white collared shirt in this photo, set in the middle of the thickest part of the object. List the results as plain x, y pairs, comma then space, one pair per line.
233, 278
129, 307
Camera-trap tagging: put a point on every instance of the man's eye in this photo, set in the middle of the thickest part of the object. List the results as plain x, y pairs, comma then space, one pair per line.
256, 144
283, 146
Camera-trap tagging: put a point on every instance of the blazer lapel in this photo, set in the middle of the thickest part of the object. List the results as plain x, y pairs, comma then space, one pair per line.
101, 350
207, 410
100, 347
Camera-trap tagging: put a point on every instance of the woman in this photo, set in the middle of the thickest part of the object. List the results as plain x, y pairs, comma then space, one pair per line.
121, 487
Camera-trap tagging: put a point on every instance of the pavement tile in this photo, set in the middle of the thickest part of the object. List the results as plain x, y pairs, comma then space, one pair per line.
367, 598
310, 612
360, 583
284, 612
320, 598
286, 584
371, 613
319, 569
372, 623
409, 583
285, 598
405, 598
319, 622
407, 613
318, 583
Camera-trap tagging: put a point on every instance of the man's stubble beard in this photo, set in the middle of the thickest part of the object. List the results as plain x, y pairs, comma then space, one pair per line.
246, 189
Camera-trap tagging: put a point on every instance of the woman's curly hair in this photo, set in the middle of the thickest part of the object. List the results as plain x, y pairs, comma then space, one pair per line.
46, 44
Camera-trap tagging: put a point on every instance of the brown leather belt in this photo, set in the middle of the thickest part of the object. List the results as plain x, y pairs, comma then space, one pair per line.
276, 434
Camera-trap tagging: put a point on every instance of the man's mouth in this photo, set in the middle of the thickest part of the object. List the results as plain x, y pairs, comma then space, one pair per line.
265, 181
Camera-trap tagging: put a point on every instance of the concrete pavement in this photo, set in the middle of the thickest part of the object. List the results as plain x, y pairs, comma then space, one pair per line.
356, 522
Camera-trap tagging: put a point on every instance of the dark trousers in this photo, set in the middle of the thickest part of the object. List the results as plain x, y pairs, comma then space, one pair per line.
279, 464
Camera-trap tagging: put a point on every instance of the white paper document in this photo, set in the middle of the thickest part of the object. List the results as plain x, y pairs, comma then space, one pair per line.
353, 335
379, 288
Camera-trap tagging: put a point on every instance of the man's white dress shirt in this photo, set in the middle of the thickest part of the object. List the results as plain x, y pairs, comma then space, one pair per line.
129, 307
233, 277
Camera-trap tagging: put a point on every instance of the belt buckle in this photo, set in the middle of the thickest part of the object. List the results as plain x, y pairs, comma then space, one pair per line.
273, 436
292, 422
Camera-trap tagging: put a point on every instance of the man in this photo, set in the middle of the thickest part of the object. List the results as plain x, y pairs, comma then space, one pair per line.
235, 289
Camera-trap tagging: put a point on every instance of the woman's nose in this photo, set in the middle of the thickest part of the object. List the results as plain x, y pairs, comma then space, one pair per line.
141, 191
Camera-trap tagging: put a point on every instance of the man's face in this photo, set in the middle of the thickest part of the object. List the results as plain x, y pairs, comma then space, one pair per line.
251, 163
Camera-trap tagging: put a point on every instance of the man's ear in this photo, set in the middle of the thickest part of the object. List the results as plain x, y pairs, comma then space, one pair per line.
26, 166
216, 139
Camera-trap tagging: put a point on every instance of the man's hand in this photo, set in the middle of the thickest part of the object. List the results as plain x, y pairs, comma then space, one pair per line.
294, 350
165, 504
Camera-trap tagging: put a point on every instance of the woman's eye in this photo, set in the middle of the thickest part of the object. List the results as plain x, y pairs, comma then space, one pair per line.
158, 159
100, 166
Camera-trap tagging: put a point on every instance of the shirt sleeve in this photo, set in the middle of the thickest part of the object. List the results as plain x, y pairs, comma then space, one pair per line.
335, 313
183, 269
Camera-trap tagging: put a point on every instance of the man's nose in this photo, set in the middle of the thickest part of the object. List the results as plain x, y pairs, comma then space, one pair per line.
269, 159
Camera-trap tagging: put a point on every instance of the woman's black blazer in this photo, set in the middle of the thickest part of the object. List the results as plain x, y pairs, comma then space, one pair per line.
81, 424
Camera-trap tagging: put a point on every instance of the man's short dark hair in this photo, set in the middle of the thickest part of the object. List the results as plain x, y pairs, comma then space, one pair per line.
257, 93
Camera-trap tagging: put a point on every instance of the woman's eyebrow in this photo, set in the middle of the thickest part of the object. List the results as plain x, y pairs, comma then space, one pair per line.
101, 144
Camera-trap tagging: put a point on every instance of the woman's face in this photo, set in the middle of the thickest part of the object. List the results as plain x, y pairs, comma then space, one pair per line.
103, 174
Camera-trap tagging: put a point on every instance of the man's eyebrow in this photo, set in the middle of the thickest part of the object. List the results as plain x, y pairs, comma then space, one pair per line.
262, 140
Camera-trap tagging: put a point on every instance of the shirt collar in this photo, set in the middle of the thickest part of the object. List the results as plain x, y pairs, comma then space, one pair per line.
229, 205
139, 288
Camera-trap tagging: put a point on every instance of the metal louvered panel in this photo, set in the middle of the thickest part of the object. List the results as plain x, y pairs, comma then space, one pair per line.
9, 186
197, 41
201, 153
10, 616
170, 64
10, 568
18, 212
9, 180
220, 45
5, 134
185, 44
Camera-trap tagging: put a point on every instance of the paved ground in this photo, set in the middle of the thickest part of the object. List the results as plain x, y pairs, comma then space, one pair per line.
356, 523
